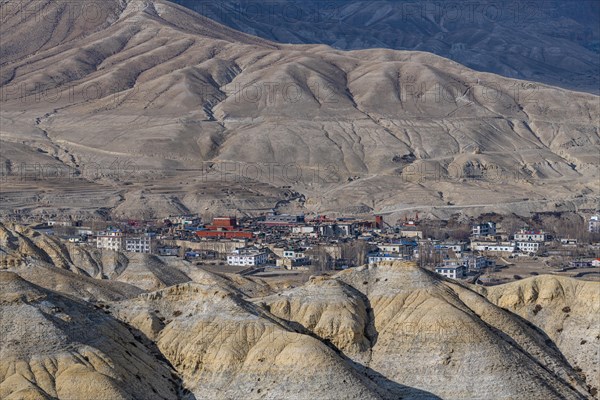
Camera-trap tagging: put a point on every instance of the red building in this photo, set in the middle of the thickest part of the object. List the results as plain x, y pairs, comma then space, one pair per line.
225, 234
379, 221
225, 228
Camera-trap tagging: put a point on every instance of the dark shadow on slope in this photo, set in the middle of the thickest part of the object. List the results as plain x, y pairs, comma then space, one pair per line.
141, 340
393, 389
182, 392
387, 389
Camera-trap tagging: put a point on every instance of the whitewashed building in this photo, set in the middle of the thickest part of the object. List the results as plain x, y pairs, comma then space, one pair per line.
524, 235
484, 229
381, 256
475, 263
528, 247
185, 220
294, 254
303, 229
138, 244
247, 256
111, 240
458, 248
493, 247
453, 269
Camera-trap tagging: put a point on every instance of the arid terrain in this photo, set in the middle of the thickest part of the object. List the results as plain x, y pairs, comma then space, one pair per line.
147, 109
130, 112
553, 42
157, 328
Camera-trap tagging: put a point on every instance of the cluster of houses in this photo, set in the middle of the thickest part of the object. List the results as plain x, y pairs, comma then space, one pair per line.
485, 238
296, 242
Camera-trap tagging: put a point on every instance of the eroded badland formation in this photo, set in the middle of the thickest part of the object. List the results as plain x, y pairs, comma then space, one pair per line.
145, 109
85, 324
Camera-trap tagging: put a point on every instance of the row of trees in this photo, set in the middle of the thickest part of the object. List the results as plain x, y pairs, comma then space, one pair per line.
323, 258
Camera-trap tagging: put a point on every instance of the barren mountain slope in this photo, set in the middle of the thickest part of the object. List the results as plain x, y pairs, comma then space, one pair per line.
56, 347
568, 310
165, 90
415, 328
553, 41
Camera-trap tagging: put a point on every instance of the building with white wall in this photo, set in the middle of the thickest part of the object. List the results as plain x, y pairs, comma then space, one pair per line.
484, 229
118, 241
525, 235
493, 247
111, 240
381, 256
453, 269
528, 247
138, 244
475, 263
247, 256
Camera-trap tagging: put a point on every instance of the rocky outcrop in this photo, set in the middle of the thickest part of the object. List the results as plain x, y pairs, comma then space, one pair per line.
415, 328
56, 347
225, 347
566, 309
385, 331
328, 308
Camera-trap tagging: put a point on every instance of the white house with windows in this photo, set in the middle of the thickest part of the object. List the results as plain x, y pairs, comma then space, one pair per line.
524, 235
568, 242
111, 240
303, 229
382, 256
453, 269
247, 256
458, 248
528, 247
294, 254
484, 229
118, 241
475, 263
493, 247
138, 244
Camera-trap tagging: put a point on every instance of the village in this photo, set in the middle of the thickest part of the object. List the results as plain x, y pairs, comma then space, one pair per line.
482, 252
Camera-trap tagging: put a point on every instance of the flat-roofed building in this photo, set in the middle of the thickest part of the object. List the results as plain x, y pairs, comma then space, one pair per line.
247, 256
138, 244
453, 269
111, 240
525, 235
484, 229
528, 247
376, 257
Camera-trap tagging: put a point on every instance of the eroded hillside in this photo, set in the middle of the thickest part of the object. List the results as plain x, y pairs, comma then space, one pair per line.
386, 331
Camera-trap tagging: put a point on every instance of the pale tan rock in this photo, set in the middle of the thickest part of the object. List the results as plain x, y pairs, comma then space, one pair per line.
225, 347
56, 347
425, 332
566, 309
